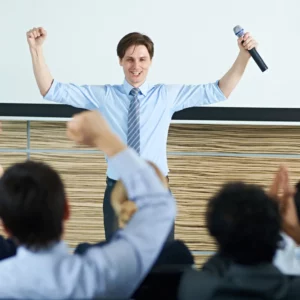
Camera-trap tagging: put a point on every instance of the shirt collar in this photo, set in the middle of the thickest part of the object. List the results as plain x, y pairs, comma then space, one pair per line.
144, 88
59, 247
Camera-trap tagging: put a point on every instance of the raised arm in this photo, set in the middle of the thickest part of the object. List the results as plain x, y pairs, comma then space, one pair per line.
185, 96
116, 269
43, 77
85, 96
230, 80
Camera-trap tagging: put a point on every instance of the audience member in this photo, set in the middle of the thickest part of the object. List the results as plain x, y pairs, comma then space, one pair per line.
287, 258
245, 222
34, 208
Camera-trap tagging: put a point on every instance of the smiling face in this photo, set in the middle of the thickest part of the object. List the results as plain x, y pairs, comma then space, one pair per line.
136, 63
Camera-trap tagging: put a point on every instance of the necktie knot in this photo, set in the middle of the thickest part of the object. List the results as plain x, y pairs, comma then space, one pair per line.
134, 92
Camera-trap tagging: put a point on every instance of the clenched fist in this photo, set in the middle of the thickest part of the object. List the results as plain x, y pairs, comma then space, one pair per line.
36, 37
91, 129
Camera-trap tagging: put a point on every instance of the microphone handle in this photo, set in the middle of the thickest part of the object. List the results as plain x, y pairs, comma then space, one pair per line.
257, 58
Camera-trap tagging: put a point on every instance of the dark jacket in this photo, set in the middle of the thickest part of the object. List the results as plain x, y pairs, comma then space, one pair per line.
163, 279
263, 282
7, 248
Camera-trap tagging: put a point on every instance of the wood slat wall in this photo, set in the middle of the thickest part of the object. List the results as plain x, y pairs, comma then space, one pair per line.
200, 260
234, 139
14, 135
198, 161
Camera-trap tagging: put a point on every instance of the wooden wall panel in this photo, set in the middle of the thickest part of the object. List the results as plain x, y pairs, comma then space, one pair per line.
14, 135
194, 179
234, 139
51, 135
7, 159
200, 260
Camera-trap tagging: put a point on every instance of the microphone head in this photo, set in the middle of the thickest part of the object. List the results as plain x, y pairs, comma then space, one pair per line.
238, 31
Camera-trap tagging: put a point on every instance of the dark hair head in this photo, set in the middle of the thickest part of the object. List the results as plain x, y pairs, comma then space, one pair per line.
134, 39
245, 222
32, 203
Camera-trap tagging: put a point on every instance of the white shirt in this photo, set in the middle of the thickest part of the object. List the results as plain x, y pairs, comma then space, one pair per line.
287, 259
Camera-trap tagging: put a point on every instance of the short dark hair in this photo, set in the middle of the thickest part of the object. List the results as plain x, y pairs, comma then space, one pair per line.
32, 203
245, 222
134, 39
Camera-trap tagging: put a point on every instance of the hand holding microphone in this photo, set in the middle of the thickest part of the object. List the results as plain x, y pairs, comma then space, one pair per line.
249, 44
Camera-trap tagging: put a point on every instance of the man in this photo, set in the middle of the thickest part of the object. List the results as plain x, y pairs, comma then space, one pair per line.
34, 206
246, 223
287, 257
140, 113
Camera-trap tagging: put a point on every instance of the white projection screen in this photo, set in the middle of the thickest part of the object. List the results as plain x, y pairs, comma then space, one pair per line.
194, 43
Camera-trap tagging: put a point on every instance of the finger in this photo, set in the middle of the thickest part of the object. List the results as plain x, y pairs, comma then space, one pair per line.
251, 46
38, 34
31, 34
41, 31
246, 36
251, 43
248, 41
274, 189
285, 180
288, 190
34, 32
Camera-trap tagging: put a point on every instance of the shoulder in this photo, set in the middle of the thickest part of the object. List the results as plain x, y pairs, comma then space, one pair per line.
196, 284
8, 267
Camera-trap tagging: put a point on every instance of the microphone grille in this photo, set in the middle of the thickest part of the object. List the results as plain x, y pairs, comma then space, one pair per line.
238, 30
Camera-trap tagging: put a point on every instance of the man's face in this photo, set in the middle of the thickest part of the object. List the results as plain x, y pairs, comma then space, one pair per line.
136, 63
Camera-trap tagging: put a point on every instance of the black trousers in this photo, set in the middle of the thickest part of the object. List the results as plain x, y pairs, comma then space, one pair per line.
110, 218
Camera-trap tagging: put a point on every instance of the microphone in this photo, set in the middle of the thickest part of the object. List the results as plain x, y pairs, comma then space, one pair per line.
239, 32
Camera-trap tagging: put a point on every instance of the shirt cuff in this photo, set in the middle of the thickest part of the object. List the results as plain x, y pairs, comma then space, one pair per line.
52, 91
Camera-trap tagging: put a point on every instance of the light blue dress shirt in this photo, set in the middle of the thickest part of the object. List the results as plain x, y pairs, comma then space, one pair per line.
157, 105
113, 270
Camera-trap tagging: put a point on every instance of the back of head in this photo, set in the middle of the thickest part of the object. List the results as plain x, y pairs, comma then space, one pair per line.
135, 39
32, 204
245, 222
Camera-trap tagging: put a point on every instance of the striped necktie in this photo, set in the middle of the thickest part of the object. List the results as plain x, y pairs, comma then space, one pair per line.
133, 135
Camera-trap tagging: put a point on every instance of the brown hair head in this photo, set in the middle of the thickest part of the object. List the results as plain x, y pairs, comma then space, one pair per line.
134, 39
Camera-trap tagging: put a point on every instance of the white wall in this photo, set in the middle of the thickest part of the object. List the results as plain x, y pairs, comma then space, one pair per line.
194, 43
